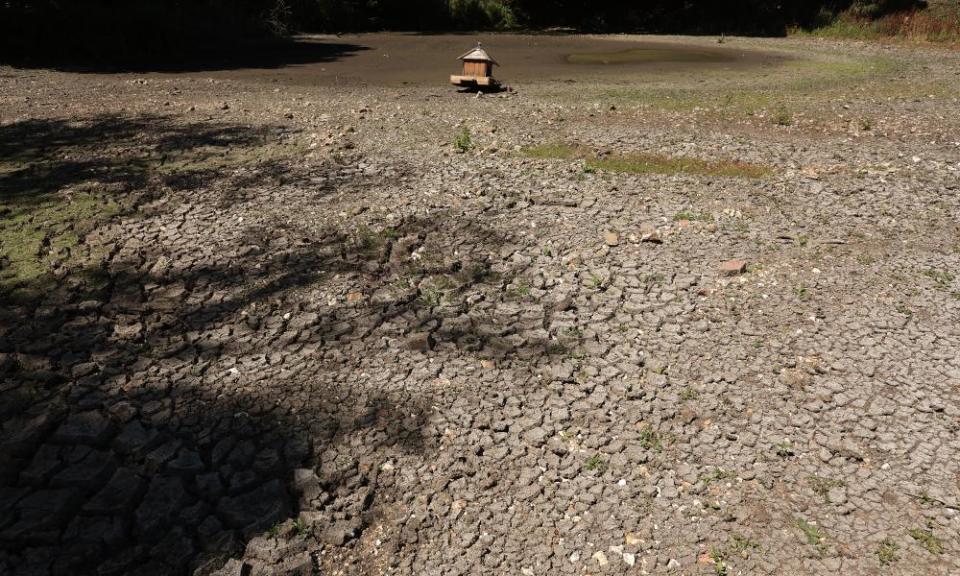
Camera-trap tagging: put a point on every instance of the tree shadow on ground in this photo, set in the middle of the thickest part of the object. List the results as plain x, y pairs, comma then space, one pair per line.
266, 55
60, 179
169, 400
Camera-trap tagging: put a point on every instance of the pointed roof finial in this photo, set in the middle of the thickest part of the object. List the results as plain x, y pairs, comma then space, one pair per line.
478, 54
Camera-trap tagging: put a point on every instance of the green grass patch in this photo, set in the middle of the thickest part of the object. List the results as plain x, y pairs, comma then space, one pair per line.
555, 152
927, 539
49, 228
650, 439
887, 552
822, 486
648, 163
811, 532
595, 463
941, 278
60, 180
693, 216
742, 546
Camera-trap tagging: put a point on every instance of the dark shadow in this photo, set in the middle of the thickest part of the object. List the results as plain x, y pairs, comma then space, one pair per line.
245, 55
169, 405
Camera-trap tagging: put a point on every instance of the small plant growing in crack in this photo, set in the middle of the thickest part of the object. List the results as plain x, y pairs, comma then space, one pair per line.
941, 278
519, 290
719, 565
784, 449
573, 332
595, 282
431, 297
813, 534
904, 309
693, 216
300, 527
274, 531
367, 239
463, 142
688, 393
718, 474
822, 486
742, 546
557, 349
783, 117
650, 440
887, 552
595, 463
390, 233
927, 539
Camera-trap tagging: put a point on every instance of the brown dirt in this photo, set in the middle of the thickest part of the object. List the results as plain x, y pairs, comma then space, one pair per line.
389, 59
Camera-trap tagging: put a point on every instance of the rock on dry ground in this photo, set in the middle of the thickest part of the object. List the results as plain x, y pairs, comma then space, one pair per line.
314, 339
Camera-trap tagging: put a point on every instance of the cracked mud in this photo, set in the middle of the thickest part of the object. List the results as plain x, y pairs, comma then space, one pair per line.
251, 327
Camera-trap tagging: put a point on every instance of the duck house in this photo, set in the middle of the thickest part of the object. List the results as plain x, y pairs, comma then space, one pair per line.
477, 70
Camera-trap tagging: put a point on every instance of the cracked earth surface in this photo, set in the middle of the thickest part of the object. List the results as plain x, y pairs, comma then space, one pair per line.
314, 338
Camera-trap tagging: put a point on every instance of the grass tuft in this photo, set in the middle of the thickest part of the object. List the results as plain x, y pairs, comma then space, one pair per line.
927, 539
887, 552
813, 534
595, 463
463, 142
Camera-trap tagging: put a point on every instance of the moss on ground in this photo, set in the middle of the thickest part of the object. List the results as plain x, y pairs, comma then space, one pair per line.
647, 163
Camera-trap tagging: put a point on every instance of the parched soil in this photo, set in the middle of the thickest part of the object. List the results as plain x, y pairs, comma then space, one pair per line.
688, 318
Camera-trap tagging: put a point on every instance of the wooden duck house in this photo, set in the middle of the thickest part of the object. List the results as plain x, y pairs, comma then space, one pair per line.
477, 70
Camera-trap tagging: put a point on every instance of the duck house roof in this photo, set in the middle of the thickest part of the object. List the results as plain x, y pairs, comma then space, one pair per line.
478, 54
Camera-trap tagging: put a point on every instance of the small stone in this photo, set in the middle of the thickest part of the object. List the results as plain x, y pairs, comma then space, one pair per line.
45, 462
733, 268
629, 559
41, 516
188, 464
209, 486
160, 506
611, 238
307, 484
574, 558
89, 473
536, 436
260, 507
420, 342
134, 439
354, 297
118, 496
175, 549
650, 234
672, 564
837, 495
91, 428
601, 558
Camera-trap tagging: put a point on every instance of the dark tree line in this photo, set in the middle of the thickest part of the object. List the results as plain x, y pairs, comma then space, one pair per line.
132, 30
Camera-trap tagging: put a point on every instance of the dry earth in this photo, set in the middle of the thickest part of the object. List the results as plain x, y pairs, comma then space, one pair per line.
252, 326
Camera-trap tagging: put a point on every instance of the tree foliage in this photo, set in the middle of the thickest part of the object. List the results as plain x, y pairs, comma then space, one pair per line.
120, 30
